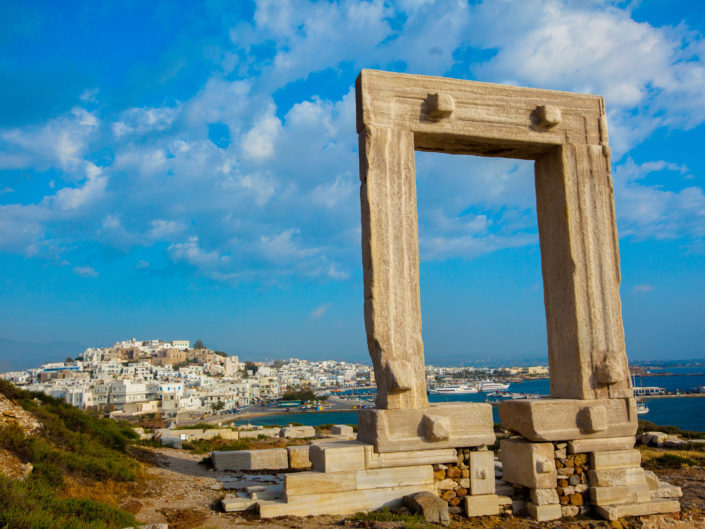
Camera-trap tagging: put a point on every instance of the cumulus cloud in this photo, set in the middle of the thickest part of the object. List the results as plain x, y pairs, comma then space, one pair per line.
649, 211
60, 142
92, 189
279, 198
258, 143
144, 120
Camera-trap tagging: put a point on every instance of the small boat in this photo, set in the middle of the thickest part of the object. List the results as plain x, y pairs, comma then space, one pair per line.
641, 408
453, 390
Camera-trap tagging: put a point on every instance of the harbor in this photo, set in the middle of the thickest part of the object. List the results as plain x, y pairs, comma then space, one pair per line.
673, 406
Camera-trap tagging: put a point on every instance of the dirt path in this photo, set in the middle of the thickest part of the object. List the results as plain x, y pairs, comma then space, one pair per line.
186, 494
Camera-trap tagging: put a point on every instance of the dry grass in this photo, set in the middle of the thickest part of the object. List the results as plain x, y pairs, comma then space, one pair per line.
109, 491
653, 458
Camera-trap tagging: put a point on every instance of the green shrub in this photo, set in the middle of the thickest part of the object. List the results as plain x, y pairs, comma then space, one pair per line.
33, 504
671, 461
199, 426
201, 446
647, 426
411, 521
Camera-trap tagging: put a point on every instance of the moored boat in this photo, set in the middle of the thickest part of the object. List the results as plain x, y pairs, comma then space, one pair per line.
453, 389
489, 386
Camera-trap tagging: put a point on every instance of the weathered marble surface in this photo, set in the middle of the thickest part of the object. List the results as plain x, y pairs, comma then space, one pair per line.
566, 134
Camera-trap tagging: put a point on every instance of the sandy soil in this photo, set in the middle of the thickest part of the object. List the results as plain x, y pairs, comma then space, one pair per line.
185, 494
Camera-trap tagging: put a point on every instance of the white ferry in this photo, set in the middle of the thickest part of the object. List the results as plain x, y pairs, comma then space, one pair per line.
488, 386
453, 390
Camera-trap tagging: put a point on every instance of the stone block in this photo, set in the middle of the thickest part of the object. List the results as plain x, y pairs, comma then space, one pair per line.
581, 446
654, 438
666, 490
337, 456
569, 511
615, 512
339, 503
518, 506
298, 456
268, 492
504, 501
652, 480
528, 464
273, 459
615, 459
617, 477
408, 458
467, 424
446, 484
342, 429
481, 472
568, 419
170, 441
620, 495
483, 505
297, 432
235, 503
543, 513
306, 483
254, 434
394, 477
544, 496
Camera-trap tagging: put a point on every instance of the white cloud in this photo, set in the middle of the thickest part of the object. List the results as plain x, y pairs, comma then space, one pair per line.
191, 253
258, 143
85, 271
320, 310
642, 288
161, 229
93, 188
333, 193
60, 142
280, 199
140, 121
597, 48
649, 211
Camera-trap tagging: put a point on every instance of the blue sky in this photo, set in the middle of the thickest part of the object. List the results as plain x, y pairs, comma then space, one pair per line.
189, 170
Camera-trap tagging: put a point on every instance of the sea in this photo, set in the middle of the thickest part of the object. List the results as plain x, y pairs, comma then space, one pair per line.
687, 413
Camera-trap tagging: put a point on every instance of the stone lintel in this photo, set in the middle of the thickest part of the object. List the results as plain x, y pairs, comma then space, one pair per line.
447, 425
569, 419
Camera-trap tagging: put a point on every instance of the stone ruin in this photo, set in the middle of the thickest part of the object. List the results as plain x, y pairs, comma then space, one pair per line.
569, 454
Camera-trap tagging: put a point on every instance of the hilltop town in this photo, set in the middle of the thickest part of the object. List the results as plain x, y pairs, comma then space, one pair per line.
174, 378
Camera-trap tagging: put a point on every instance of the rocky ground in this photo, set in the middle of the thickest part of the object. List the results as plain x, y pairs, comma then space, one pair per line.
184, 493
13, 415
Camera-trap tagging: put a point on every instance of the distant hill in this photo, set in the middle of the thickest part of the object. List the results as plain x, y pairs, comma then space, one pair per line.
16, 355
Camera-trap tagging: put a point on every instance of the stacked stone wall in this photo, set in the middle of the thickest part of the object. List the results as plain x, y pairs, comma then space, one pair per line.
468, 487
572, 486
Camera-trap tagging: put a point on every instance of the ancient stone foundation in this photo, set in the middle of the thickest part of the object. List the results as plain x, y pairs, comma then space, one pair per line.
547, 481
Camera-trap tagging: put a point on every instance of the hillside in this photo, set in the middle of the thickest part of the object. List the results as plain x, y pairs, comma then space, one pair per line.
62, 468
59, 467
